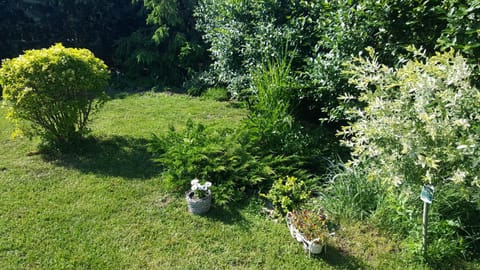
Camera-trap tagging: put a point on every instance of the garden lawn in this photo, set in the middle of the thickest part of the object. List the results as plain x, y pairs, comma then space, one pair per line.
103, 206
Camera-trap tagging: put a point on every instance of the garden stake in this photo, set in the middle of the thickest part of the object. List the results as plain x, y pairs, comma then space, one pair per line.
427, 197
424, 231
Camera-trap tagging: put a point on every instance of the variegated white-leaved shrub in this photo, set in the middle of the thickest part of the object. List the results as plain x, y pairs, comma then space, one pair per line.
420, 123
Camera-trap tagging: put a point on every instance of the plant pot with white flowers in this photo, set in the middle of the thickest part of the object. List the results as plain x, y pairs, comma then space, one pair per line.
199, 197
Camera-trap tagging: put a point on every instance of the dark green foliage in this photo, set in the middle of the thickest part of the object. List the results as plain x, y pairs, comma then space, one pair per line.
460, 209
402, 23
222, 157
91, 24
462, 31
209, 155
171, 51
344, 28
272, 126
337, 30
243, 34
167, 53
139, 58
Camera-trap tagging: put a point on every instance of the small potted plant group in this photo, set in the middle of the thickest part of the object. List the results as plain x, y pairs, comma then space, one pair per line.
199, 197
312, 228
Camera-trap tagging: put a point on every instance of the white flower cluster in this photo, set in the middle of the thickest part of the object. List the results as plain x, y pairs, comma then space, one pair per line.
197, 186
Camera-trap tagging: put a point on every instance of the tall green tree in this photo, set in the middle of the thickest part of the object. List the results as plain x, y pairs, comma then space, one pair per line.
175, 51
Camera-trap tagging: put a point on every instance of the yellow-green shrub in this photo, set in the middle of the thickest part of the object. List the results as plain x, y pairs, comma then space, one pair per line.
51, 92
288, 193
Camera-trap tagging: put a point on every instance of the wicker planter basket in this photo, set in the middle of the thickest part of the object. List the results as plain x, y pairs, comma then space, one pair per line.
198, 206
313, 246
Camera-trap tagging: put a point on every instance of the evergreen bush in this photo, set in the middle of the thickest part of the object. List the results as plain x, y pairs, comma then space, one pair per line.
52, 92
209, 155
223, 157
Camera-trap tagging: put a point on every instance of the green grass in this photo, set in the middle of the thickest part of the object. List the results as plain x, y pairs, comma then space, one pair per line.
141, 115
103, 206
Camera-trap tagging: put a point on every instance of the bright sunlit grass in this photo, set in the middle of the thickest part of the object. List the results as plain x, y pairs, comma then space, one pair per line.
103, 207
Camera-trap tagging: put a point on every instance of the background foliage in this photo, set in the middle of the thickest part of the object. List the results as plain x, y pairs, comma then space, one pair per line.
242, 34
168, 50
166, 42
91, 24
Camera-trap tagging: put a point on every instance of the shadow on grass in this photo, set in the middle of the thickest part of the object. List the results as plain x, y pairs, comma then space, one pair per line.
114, 156
340, 259
230, 215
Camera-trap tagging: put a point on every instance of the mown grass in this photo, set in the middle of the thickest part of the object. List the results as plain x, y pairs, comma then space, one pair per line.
103, 206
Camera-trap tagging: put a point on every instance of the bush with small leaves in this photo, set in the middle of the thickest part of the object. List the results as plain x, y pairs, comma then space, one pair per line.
52, 92
221, 156
421, 125
288, 193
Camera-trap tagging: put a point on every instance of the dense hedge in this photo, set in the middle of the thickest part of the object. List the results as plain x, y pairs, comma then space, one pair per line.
322, 35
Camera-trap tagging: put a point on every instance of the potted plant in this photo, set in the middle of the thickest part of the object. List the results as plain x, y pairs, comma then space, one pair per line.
312, 228
199, 197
